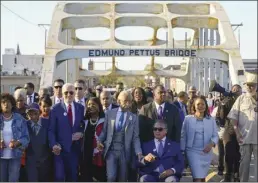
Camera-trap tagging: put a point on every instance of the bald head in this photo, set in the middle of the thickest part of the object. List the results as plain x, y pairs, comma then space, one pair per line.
105, 99
125, 100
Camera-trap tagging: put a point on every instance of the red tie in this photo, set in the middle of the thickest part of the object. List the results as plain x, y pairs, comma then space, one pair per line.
70, 114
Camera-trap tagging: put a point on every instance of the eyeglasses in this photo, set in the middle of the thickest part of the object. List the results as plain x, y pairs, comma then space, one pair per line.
158, 129
251, 85
56, 87
99, 89
78, 88
105, 98
70, 92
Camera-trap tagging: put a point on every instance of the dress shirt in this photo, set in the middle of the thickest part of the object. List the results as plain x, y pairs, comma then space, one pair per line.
108, 108
157, 147
81, 101
162, 105
73, 110
119, 113
58, 100
32, 98
182, 107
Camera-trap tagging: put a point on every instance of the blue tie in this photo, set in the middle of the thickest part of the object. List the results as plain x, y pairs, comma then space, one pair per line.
160, 148
120, 122
160, 153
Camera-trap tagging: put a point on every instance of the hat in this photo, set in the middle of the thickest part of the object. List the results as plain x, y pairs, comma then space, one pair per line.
251, 78
192, 88
33, 106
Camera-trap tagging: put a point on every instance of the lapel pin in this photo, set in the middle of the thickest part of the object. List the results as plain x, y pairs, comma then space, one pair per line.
166, 110
65, 114
168, 143
130, 118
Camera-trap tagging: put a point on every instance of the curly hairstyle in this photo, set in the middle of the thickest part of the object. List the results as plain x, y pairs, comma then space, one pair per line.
143, 102
8, 97
97, 101
206, 112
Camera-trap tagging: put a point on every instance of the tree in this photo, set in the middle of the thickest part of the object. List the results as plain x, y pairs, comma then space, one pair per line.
156, 65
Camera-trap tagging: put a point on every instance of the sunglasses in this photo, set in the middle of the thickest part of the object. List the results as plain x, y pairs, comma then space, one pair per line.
56, 87
158, 129
99, 89
78, 88
70, 92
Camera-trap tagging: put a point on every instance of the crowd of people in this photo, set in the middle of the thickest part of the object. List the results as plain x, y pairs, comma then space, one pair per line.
69, 132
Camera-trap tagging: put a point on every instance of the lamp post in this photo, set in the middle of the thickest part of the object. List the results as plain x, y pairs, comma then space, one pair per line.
43, 25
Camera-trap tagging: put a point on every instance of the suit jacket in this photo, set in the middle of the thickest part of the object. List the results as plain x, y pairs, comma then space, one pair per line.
131, 133
36, 97
60, 130
171, 158
38, 150
147, 116
188, 131
176, 103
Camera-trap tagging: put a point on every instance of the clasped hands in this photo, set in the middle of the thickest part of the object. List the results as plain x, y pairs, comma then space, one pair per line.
13, 144
150, 158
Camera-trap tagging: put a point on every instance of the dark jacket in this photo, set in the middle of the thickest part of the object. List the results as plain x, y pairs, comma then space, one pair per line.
148, 115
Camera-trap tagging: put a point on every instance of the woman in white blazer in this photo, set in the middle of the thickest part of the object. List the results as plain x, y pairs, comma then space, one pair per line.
199, 134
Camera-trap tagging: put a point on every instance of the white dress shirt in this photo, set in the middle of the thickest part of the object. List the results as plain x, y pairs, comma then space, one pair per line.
157, 147
32, 98
58, 100
73, 110
81, 101
182, 107
157, 106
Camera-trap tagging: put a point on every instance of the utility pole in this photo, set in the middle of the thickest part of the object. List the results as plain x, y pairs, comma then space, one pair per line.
237, 25
43, 25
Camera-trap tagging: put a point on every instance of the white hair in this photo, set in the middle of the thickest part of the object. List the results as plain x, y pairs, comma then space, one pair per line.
68, 85
20, 93
126, 94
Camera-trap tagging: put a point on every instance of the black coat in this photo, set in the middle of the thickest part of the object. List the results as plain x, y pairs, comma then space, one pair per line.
148, 115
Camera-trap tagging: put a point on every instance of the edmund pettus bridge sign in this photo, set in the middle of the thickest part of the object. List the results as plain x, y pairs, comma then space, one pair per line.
141, 52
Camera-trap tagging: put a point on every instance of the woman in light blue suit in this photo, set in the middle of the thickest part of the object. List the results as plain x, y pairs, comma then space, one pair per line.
199, 134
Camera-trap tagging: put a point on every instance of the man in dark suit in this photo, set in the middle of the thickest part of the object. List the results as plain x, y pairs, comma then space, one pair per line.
80, 88
65, 133
57, 97
181, 103
32, 96
163, 160
106, 101
159, 109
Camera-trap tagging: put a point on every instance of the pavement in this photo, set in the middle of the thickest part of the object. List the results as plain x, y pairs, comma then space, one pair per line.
213, 173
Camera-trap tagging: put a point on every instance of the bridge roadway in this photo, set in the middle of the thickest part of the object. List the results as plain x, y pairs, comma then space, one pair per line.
213, 176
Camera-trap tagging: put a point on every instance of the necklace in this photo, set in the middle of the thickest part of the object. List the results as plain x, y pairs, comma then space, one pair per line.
7, 118
94, 123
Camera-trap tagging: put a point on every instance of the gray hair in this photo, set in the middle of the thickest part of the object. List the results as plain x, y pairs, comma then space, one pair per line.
68, 85
126, 94
20, 93
159, 121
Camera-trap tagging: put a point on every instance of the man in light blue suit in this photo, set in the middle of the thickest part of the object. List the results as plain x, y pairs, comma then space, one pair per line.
163, 160
119, 139
65, 133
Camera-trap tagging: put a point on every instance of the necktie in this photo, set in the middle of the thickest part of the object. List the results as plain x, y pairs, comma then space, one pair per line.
120, 122
36, 129
160, 153
160, 116
30, 99
183, 108
160, 148
70, 114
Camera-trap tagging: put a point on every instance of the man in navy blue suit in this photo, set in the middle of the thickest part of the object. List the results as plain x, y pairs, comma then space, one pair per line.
65, 133
181, 103
163, 160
